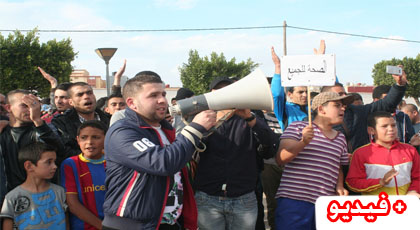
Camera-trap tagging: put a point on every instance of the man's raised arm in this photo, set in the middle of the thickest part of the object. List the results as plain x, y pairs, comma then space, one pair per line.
390, 102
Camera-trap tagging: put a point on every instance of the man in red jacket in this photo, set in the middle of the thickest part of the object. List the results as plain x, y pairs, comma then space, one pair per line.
385, 165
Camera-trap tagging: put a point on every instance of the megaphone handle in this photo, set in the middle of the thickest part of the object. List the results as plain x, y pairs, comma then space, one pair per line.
209, 132
220, 122
185, 121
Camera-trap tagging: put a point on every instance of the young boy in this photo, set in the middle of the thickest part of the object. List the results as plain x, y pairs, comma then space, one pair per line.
83, 178
37, 203
312, 156
385, 165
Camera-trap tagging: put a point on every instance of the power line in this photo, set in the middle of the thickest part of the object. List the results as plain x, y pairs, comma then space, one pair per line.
215, 29
354, 35
150, 30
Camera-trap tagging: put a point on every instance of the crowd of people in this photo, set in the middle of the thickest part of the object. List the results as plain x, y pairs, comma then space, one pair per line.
123, 162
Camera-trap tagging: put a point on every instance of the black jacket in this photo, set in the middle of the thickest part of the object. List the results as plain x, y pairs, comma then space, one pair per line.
231, 158
12, 139
67, 125
405, 128
355, 117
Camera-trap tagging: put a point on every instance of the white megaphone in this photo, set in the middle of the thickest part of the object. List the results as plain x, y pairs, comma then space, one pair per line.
251, 92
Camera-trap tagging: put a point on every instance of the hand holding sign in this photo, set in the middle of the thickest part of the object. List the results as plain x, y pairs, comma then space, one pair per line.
307, 134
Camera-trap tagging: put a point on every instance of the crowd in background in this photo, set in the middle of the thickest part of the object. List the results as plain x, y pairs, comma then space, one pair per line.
71, 161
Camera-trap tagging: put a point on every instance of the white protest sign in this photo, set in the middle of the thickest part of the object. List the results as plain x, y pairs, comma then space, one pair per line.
308, 70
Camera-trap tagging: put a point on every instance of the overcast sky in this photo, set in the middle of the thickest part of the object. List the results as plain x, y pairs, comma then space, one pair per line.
165, 52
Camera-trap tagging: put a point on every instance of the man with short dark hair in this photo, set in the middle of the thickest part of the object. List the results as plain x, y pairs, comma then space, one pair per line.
227, 172
114, 102
146, 178
181, 94
414, 115
404, 126
61, 97
58, 96
337, 88
84, 109
380, 92
25, 127
60, 103
358, 100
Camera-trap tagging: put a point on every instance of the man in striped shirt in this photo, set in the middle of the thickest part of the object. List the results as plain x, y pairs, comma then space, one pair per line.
313, 155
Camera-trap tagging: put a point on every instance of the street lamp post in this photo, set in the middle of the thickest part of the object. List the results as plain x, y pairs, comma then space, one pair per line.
106, 54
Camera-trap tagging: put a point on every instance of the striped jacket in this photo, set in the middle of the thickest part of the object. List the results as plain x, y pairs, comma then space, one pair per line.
370, 163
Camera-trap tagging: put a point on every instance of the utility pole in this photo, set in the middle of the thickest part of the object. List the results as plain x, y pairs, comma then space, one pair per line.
284, 38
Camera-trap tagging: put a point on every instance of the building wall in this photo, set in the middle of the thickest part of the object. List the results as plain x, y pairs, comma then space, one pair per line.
80, 72
78, 79
83, 76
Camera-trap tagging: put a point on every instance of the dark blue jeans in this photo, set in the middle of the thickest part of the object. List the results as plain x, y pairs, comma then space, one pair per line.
230, 213
294, 215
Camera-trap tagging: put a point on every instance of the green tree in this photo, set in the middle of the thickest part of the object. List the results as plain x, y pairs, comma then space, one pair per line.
411, 68
21, 54
198, 73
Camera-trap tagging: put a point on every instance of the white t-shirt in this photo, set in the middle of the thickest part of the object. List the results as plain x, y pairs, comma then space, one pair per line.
173, 208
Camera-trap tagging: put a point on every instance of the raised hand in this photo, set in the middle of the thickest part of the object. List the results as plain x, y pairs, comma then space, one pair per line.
321, 49
276, 61
118, 75
400, 80
34, 108
50, 78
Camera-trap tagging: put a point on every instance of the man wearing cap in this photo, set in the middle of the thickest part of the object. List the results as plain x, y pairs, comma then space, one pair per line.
182, 93
312, 155
227, 171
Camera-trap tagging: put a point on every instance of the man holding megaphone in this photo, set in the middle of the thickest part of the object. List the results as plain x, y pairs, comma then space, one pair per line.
147, 183
227, 171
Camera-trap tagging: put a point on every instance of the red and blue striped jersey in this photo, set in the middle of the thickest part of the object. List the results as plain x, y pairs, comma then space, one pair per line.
86, 178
